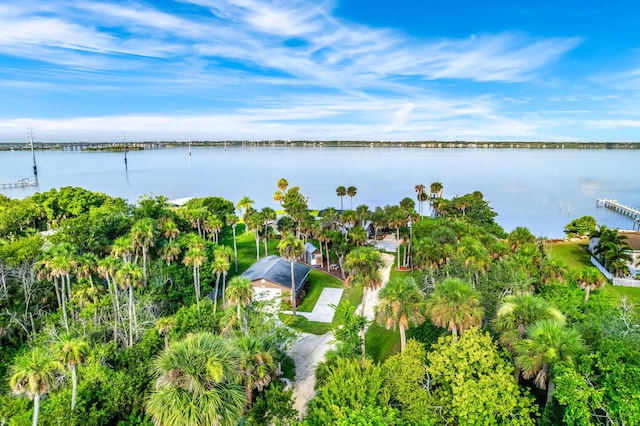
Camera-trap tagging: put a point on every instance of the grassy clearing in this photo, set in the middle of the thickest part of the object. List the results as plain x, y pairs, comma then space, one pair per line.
352, 295
574, 254
381, 343
632, 293
319, 280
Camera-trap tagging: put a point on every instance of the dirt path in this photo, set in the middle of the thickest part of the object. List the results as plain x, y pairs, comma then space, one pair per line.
372, 296
309, 350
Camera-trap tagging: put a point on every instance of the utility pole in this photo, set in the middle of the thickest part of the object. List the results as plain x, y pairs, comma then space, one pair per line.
33, 153
124, 147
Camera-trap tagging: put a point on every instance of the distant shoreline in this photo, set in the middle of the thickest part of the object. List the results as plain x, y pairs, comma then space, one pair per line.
119, 146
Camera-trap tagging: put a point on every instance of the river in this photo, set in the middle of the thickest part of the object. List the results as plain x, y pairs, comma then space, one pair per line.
537, 188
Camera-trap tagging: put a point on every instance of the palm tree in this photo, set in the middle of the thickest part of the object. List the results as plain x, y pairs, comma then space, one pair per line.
106, 269
291, 249
232, 221
420, 190
197, 383
269, 217
351, 192
34, 374
219, 266
283, 184
164, 327
129, 276
455, 305
170, 251
363, 265
243, 207
122, 247
589, 279
143, 236
240, 292
169, 229
213, 225
194, 258
72, 352
61, 265
255, 222
341, 191
400, 305
435, 190
258, 366
612, 249
516, 314
549, 343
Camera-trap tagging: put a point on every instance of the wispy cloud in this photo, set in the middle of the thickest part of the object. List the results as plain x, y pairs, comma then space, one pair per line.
265, 69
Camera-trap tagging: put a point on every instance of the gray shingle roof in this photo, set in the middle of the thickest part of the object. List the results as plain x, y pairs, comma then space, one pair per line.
278, 270
310, 248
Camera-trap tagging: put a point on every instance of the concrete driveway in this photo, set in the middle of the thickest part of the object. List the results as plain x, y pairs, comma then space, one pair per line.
322, 312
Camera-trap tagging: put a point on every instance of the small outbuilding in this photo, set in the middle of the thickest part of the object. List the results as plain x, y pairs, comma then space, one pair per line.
271, 277
312, 255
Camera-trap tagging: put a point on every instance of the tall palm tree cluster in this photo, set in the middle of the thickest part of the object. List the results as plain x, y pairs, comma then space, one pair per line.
613, 250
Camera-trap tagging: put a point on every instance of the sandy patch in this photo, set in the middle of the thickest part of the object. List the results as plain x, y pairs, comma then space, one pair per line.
307, 352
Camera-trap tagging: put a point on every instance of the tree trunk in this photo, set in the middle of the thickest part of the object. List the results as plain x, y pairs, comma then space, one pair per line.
95, 302
215, 294
144, 263
55, 285
130, 315
64, 306
364, 329
68, 278
516, 373
340, 260
403, 339
224, 290
195, 287
36, 409
114, 305
293, 290
454, 333
551, 388
235, 247
587, 290
257, 246
74, 386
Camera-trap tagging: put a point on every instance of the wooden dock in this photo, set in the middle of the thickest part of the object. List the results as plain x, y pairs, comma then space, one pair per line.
22, 183
618, 207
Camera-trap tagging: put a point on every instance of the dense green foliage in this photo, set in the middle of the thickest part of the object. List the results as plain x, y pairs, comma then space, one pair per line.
105, 318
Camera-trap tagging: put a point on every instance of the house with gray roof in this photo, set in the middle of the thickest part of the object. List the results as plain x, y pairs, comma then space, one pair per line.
272, 275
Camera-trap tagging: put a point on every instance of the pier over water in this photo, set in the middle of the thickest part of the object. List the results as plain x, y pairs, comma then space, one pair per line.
19, 184
618, 207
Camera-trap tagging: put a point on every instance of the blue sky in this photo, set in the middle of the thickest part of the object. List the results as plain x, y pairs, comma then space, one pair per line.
320, 70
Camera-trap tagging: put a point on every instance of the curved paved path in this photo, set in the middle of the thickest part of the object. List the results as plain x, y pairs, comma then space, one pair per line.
310, 349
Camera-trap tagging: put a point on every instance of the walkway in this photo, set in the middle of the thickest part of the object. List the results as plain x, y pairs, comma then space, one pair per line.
372, 295
307, 352
310, 349
322, 312
387, 244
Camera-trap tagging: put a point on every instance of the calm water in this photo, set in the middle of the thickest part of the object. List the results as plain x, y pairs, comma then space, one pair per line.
540, 189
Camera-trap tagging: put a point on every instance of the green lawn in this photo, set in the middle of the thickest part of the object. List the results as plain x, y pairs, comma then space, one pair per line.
352, 295
574, 254
319, 280
632, 293
381, 343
